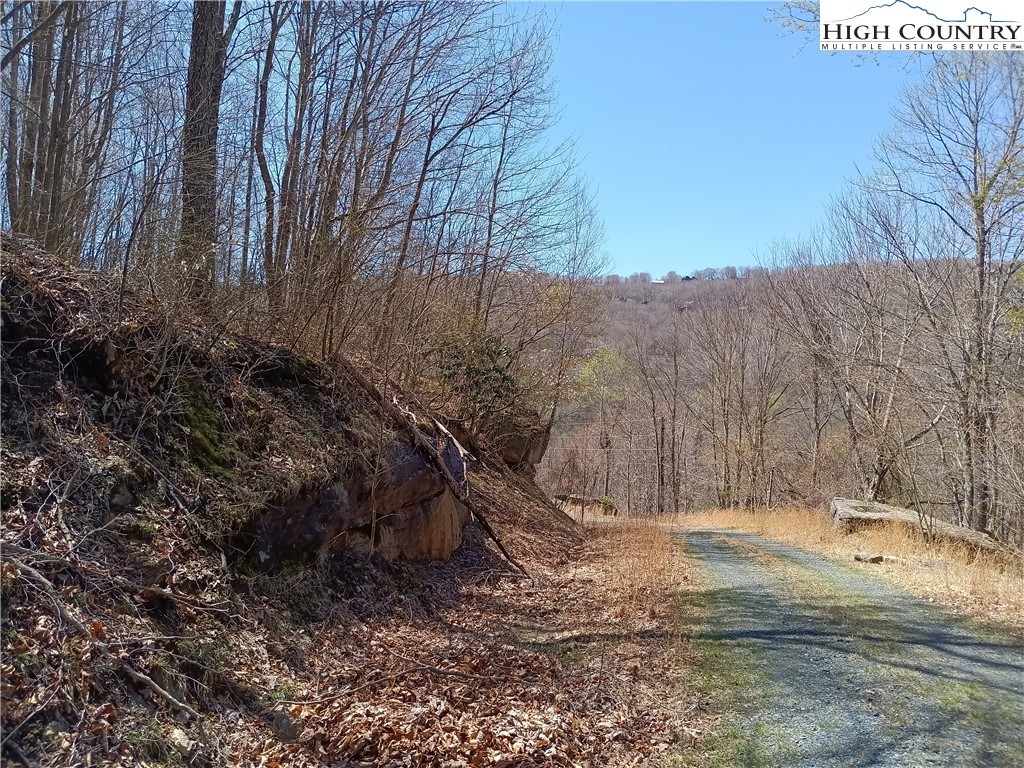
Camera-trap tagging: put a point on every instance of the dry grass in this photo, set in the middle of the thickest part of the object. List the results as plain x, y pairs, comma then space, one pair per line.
986, 586
638, 564
641, 571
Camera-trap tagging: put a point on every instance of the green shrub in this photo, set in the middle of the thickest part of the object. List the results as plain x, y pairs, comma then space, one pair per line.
476, 369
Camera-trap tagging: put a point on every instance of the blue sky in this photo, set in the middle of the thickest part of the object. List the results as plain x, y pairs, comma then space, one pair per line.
706, 132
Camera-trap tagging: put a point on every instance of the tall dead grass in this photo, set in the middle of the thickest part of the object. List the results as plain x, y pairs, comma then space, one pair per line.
638, 565
984, 585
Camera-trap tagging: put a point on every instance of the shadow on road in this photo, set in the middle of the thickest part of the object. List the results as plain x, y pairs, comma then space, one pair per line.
857, 673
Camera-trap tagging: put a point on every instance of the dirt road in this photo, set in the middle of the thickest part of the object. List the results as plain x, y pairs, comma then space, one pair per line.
817, 664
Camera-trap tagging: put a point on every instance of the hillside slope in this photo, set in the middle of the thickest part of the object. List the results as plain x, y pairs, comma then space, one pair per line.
214, 553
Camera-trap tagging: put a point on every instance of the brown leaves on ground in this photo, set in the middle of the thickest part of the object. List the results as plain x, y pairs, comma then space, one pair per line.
554, 671
462, 663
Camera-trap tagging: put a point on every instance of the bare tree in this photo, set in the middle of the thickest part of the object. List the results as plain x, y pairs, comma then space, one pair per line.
955, 177
197, 241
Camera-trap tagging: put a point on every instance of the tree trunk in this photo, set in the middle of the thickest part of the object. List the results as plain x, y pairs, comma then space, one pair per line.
197, 241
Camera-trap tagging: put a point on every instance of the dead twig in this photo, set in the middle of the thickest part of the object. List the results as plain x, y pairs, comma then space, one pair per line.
419, 666
46, 586
349, 691
449, 672
123, 583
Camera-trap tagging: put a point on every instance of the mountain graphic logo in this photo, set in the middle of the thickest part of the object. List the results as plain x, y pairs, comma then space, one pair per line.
981, 16
936, 25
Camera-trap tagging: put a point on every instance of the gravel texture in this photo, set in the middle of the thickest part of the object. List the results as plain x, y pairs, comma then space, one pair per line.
839, 669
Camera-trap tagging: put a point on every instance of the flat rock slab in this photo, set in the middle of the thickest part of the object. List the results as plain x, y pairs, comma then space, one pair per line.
831, 667
849, 515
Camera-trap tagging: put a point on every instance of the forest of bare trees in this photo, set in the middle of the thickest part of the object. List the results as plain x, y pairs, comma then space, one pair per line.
377, 179
882, 358
344, 178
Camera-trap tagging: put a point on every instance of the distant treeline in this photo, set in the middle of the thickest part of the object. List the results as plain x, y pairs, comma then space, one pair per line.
881, 358
708, 273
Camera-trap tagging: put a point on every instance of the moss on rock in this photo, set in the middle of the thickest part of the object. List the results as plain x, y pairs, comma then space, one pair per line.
205, 444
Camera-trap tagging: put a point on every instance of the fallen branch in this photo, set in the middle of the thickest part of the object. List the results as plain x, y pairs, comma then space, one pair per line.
50, 591
396, 415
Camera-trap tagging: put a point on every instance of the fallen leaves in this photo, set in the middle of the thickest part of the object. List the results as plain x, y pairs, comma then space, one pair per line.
585, 684
122, 617
457, 664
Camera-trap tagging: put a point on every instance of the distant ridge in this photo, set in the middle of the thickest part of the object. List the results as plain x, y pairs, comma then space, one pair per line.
895, 3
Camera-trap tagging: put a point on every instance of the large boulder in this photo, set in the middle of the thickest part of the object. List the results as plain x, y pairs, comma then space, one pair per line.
277, 452
408, 512
850, 515
520, 440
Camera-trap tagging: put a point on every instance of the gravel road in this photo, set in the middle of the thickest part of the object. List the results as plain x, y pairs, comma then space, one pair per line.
831, 667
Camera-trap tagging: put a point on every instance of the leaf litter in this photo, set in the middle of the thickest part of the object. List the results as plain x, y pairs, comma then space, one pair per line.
128, 639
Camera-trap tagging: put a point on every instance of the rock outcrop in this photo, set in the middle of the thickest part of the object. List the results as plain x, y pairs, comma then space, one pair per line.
849, 515
282, 457
408, 512
520, 441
